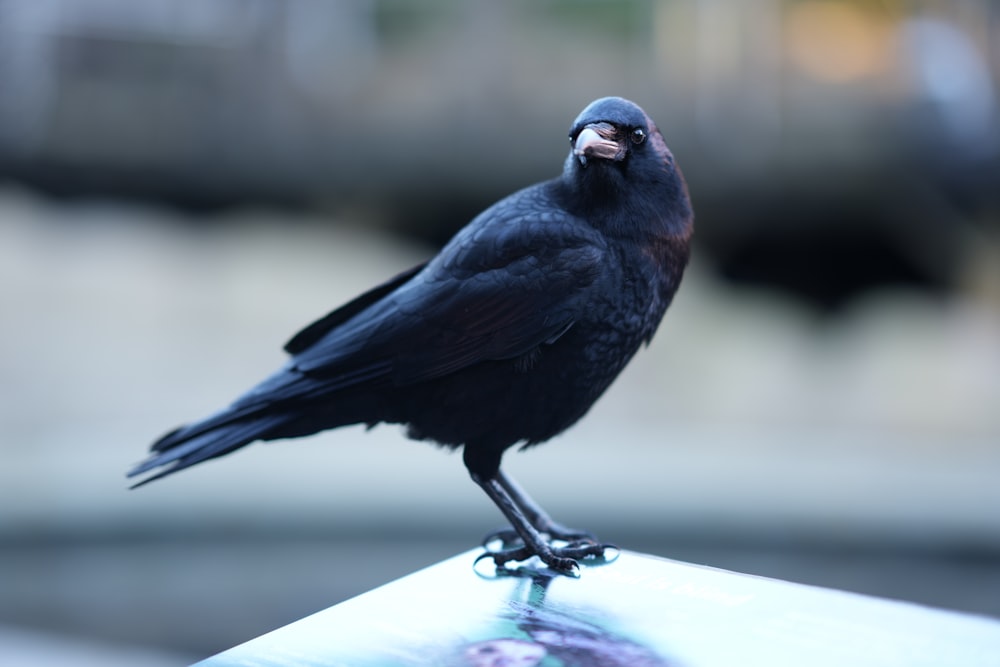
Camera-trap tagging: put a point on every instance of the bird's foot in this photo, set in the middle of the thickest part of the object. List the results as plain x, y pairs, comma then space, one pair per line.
534, 534
505, 547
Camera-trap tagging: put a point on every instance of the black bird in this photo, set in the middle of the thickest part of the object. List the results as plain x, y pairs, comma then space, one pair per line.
507, 336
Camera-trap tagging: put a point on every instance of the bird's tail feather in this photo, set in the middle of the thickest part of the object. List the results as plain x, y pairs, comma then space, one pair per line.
204, 440
182, 434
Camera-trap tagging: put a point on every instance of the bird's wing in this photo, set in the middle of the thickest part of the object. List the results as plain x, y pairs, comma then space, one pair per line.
496, 292
312, 333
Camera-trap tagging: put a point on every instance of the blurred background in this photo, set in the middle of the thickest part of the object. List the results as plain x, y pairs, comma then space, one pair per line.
185, 183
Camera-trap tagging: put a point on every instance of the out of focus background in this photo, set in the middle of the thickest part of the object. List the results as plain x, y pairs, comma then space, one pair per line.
183, 184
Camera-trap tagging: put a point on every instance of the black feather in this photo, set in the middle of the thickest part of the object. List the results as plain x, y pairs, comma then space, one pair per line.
312, 333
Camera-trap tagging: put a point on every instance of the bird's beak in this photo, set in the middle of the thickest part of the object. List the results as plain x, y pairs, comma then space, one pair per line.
597, 140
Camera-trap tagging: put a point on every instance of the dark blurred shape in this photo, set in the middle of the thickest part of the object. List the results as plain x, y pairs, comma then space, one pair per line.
845, 247
813, 265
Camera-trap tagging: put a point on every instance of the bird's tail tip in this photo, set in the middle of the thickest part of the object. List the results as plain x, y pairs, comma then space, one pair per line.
144, 467
185, 447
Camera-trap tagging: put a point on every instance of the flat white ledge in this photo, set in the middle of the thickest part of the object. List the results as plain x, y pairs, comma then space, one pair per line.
639, 611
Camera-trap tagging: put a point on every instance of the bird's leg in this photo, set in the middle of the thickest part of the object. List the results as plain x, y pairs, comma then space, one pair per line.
538, 518
533, 542
508, 497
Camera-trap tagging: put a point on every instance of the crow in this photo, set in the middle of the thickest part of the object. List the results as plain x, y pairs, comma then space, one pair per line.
507, 336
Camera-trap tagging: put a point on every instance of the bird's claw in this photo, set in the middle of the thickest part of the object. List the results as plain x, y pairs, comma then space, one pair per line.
552, 557
561, 558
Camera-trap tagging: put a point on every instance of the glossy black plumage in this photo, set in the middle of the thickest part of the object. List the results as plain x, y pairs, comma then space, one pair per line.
507, 336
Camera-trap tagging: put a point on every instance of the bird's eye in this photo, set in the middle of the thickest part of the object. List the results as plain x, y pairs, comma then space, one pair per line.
638, 136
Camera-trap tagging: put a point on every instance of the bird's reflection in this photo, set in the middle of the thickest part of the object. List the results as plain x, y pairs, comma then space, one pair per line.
533, 631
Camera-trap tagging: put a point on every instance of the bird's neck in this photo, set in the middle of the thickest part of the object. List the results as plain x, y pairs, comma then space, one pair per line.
648, 211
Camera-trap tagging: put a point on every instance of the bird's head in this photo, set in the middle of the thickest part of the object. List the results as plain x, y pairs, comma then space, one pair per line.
609, 130
619, 163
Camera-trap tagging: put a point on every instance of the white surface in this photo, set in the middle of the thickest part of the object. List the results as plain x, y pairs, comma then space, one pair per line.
655, 611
